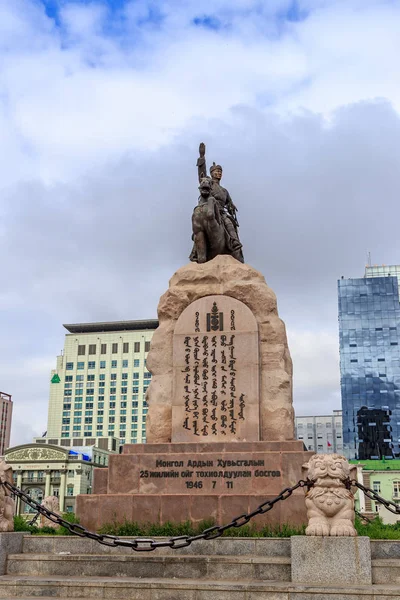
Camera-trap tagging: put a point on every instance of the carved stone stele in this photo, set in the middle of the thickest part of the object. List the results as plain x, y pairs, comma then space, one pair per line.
227, 277
329, 503
51, 503
6, 502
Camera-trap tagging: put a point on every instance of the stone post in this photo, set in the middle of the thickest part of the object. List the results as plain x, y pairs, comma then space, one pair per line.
47, 485
325, 560
18, 500
62, 490
10, 543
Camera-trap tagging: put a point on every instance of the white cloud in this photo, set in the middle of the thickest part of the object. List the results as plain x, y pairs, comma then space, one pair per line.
100, 121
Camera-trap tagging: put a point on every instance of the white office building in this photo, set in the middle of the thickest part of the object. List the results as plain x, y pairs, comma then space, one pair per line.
322, 434
97, 390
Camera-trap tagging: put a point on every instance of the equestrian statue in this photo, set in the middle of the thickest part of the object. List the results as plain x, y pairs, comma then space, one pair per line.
214, 222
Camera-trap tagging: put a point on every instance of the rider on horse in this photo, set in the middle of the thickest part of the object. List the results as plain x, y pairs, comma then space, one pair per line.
226, 207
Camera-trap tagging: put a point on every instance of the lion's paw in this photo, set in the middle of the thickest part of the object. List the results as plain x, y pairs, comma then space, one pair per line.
319, 528
343, 529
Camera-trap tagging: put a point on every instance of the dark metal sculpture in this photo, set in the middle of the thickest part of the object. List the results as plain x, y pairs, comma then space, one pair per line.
214, 222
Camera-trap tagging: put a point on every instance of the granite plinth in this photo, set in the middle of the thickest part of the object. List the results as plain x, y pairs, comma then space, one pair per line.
234, 287
324, 560
178, 482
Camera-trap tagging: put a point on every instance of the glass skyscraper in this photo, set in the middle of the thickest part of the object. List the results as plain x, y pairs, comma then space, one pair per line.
369, 328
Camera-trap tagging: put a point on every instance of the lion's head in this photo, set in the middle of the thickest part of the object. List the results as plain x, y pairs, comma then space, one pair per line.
332, 466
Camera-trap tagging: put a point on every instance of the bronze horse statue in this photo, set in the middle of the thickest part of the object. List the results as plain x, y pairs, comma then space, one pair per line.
214, 223
209, 233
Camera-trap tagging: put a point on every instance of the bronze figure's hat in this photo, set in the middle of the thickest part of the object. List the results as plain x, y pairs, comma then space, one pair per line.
214, 166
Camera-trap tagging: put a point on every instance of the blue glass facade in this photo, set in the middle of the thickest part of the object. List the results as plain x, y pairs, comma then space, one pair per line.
369, 328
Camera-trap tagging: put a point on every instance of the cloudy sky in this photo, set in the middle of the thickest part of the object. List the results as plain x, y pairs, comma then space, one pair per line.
102, 107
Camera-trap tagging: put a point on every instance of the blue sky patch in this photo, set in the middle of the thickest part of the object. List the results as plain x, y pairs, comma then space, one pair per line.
294, 13
208, 22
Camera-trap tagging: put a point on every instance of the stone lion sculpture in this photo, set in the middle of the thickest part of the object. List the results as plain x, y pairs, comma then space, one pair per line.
51, 503
6, 502
330, 503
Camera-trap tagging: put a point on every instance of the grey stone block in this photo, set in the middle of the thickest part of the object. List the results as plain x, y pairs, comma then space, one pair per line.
385, 549
386, 570
319, 560
10, 543
272, 547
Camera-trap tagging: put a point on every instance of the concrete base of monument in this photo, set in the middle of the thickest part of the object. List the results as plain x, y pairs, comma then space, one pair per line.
156, 483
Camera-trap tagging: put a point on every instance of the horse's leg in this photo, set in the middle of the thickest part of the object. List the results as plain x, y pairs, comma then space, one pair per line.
201, 246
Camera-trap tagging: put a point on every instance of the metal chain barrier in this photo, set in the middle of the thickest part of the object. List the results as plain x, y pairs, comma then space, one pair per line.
362, 517
391, 506
148, 545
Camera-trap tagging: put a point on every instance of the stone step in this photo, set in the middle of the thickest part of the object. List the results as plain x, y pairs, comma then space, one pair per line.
386, 570
173, 589
223, 546
230, 568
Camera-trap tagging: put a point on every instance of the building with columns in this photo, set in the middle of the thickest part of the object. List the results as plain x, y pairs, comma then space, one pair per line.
43, 470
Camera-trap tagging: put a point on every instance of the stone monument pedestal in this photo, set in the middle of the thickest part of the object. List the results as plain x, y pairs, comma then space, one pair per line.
220, 426
156, 483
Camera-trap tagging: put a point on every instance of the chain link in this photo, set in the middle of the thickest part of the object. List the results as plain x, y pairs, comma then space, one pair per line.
391, 506
147, 544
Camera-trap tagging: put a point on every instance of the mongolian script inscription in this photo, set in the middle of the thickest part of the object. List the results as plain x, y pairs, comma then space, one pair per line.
216, 371
212, 403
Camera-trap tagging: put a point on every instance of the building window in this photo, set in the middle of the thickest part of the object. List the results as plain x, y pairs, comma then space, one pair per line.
70, 490
81, 350
69, 366
136, 363
136, 375
125, 347
396, 489
376, 486
113, 364
136, 347
147, 346
103, 349
80, 366
114, 348
102, 364
90, 377
91, 364
92, 348
69, 378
